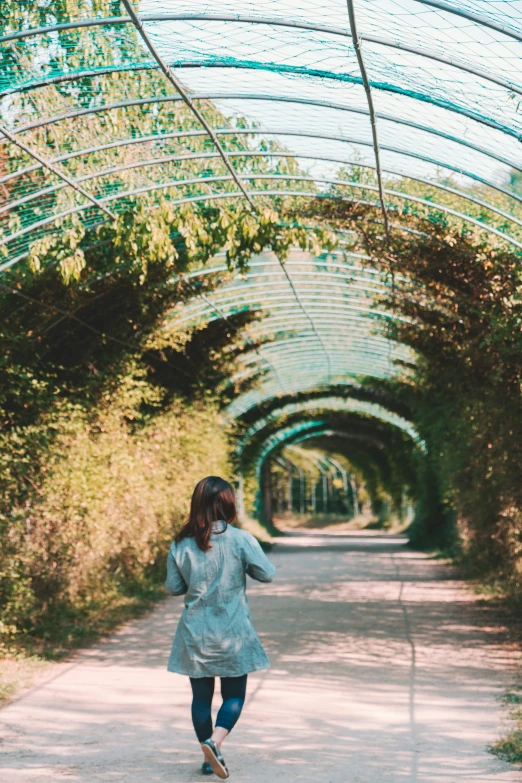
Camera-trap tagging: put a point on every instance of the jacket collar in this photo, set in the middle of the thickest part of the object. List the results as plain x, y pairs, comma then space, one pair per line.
219, 526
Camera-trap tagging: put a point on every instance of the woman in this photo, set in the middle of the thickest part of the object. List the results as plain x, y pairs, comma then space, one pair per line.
215, 637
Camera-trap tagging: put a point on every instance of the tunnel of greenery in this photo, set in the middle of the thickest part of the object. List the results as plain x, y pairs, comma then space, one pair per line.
232, 242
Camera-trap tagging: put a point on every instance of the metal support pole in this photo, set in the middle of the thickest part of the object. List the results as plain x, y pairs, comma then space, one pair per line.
52, 168
356, 509
241, 497
267, 494
239, 182
290, 503
366, 84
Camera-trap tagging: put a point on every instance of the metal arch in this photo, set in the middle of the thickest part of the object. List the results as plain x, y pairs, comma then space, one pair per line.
23, 255
312, 264
295, 178
295, 70
298, 178
302, 385
369, 99
360, 356
186, 98
324, 265
279, 305
473, 18
310, 429
348, 327
405, 229
302, 71
48, 165
324, 268
261, 97
72, 77
360, 344
224, 316
210, 131
296, 25
507, 85
265, 193
355, 339
297, 134
274, 441
362, 363
376, 359
358, 350
305, 156
349, 320
253, 132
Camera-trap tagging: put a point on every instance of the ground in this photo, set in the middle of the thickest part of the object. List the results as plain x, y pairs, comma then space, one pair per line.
385, 669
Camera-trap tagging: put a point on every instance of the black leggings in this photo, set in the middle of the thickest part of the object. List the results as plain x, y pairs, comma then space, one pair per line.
233, 690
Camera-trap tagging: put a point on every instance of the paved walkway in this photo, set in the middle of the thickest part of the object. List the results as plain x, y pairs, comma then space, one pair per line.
385, 670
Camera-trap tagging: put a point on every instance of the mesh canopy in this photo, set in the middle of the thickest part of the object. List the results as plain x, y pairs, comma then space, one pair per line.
267, 100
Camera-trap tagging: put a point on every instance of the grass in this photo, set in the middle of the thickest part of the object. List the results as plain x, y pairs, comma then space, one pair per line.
24, 661
509, 747
19, 671
506, 601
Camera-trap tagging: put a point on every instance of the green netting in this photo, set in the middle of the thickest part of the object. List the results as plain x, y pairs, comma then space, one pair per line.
94, 126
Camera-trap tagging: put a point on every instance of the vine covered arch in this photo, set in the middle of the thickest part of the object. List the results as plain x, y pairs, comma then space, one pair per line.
329, 186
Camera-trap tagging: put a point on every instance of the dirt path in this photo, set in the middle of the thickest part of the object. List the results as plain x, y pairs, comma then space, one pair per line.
384, 670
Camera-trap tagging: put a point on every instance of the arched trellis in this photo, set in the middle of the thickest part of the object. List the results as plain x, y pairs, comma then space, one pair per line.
235, 63
315, 427
338, 324
277, 22
281, 22
341, 404
339, 297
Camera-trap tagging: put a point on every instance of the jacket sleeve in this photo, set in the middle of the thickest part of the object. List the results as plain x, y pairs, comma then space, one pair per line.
175, 583
257, 564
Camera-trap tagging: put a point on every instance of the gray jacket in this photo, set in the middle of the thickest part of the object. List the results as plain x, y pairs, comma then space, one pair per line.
215, 636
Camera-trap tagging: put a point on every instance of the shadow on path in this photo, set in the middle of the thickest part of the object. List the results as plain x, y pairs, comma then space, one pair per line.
384, 670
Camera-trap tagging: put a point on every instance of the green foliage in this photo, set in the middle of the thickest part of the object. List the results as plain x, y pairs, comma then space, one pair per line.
509, 747
458, 291
381, 454
93, 521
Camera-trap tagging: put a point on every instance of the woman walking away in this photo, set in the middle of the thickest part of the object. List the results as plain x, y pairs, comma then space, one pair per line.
208, 563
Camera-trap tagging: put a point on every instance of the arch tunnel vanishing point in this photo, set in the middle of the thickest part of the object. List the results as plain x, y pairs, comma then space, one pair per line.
278, 241
309, 212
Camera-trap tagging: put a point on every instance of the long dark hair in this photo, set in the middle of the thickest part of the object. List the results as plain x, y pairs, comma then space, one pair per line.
212, 500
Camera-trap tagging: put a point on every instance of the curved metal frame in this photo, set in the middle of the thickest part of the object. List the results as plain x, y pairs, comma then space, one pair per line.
341, 320
296, 70
441, 6
253, 194
253, 154
295, 25
329, 402
264, 97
